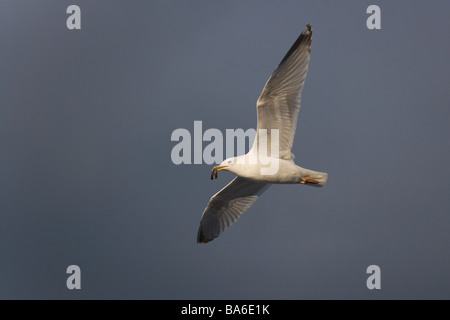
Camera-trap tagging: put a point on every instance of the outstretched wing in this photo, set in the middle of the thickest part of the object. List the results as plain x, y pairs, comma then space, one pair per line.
227, 205
279, 102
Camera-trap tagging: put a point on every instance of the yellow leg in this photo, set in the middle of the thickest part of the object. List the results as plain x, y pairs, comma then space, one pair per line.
306, 180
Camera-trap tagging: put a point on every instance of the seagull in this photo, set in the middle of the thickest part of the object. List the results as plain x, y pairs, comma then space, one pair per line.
277, 112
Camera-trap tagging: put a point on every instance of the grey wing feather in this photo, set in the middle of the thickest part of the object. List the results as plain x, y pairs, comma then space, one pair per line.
279, 102
226, 206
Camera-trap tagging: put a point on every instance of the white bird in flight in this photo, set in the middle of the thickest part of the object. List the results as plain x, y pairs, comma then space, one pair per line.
277, 112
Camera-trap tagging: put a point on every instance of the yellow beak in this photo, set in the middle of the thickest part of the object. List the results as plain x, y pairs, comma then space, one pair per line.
215, 170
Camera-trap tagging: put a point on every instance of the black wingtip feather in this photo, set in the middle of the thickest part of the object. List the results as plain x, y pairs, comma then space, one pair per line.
305, 36
201, 238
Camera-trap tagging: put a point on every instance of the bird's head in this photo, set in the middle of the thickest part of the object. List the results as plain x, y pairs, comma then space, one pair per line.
225, 165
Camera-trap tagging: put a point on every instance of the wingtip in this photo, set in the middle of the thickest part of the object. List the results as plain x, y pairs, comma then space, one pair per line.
308, 27
201, 238
308, 34
304, 37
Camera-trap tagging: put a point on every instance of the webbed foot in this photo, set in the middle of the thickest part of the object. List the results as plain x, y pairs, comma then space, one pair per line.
308, 180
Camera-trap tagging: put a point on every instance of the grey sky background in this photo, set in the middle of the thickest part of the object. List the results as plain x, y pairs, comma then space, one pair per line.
86, 176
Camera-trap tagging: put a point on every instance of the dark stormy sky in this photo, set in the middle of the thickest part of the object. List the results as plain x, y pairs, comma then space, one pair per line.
86, 176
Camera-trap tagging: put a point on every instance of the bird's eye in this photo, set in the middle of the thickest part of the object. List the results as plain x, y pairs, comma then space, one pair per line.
229, 161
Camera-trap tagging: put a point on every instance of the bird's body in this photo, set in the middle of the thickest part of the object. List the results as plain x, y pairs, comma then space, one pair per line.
270, 160
287, 173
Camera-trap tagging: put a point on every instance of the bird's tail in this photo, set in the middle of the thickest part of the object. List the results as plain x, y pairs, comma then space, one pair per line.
322, 178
